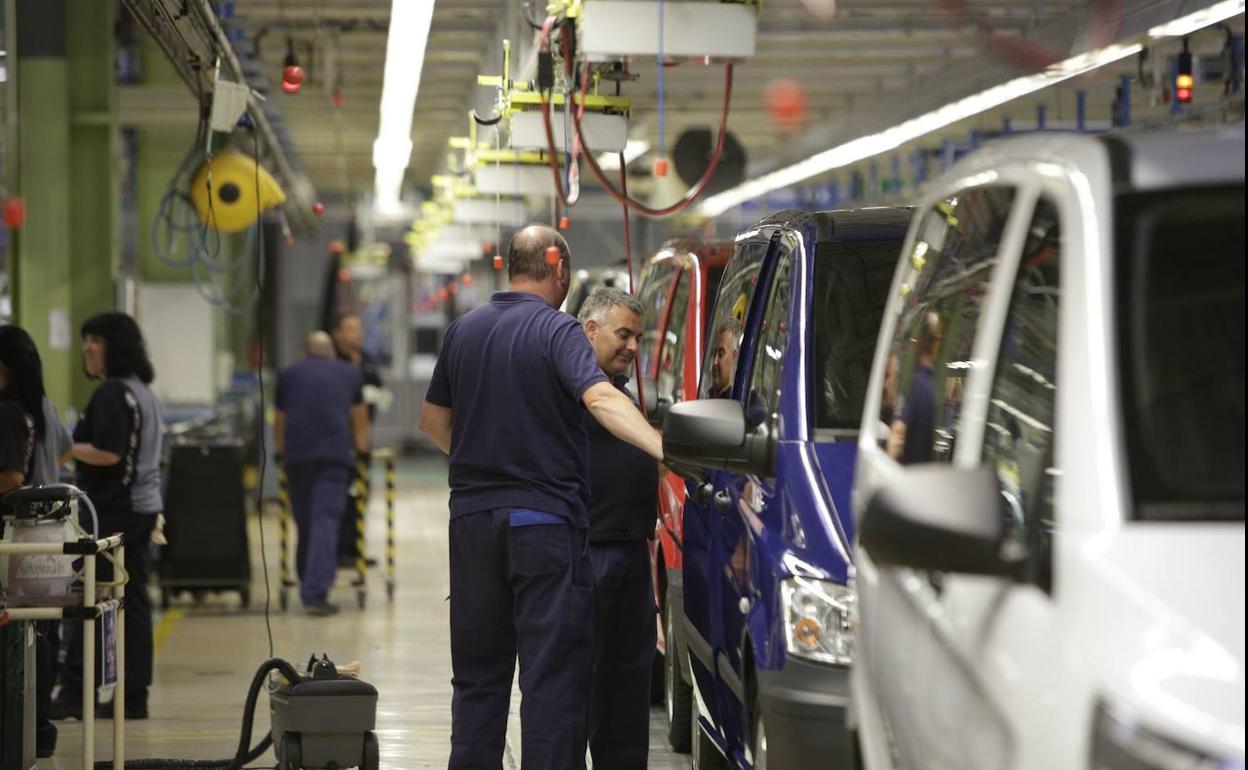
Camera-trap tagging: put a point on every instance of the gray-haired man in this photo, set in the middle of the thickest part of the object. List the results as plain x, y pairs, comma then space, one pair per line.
623, 493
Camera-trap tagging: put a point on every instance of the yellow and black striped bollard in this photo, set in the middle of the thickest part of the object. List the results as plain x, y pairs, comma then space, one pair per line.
283, 497
388, 456
361, 507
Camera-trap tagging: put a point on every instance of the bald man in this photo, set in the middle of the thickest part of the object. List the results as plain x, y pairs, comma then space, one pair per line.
321, 423
507, 402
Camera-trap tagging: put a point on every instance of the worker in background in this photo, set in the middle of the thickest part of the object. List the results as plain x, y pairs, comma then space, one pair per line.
910, 438
623, 500
321, 423
116, 450
43, 444
506, 402
724, 358
348, 334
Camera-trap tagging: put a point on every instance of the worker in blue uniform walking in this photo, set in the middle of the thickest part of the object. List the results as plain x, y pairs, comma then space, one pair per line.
321, 423
507, 402
623, 499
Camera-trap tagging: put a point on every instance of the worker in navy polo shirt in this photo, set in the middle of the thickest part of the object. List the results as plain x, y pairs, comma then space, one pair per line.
321, 423
623, 499
507, 402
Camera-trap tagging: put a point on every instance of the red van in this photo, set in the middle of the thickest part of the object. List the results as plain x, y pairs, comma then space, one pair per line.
678, 285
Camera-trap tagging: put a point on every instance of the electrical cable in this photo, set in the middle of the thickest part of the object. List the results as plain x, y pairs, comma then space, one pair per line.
260, 271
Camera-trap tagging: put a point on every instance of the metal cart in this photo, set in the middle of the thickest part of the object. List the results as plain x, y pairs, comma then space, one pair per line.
91, 609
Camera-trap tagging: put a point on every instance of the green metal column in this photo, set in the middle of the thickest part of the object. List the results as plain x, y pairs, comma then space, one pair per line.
41, 265
94, 153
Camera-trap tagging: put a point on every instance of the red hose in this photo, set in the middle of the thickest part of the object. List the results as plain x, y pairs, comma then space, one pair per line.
693, 192
628, 256
552, 155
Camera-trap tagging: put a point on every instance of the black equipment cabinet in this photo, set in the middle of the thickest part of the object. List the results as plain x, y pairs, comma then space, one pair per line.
205, 522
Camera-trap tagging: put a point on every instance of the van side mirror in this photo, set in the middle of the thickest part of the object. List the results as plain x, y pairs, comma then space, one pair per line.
711, 433
941, 518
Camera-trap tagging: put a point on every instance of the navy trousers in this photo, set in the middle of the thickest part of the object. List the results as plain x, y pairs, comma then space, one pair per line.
318, 492
625, 637
522, 591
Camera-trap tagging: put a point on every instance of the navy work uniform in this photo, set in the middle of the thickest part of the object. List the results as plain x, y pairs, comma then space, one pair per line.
623, 499
316, 396
513, 372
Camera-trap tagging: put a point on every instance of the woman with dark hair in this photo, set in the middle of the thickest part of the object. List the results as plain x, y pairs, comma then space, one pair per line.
41, 447
117, 449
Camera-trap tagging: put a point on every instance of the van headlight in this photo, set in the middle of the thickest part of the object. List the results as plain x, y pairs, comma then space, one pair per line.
1122, 744
820, 619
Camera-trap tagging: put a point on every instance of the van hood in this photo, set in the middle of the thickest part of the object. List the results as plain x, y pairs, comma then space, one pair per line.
1168, 629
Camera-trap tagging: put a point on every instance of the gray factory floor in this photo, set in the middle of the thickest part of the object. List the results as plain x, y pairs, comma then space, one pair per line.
207, 652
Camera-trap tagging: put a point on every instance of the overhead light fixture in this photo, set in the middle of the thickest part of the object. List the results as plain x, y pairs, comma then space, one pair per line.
634, 149
1185, 25
405, 55
864, 147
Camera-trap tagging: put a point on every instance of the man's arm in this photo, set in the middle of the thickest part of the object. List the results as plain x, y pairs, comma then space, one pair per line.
89, 454
279, 432
359, 426
435, 421
615, 412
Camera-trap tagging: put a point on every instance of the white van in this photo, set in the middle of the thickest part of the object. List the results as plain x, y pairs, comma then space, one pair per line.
1050, 486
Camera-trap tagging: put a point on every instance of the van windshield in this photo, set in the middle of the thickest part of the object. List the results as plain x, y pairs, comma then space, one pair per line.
851, 289
1180, 289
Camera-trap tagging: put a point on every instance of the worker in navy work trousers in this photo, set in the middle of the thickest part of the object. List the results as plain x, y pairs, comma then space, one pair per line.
507, 402
321, 418
623, 498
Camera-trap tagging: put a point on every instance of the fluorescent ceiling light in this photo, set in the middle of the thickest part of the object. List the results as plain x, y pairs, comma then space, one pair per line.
864, 147
405, 55
634, 149
1185, 25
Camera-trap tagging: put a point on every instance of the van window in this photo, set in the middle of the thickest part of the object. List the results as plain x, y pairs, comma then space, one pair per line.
1180, 283
851, 289
671, 379
723, 334
656, 285
1019, 434
762, 399
947, 278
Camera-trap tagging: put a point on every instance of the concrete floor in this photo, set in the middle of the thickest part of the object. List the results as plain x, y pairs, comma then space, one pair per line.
207, 653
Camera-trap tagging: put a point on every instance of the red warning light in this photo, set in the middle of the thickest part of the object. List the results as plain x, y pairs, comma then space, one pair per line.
318, 208
498, 262
552, 255
564, 223
292, 79
660, 167
467, 279
344, 275
14, 213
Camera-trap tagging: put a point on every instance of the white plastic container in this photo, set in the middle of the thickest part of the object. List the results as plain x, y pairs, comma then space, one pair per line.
38, 580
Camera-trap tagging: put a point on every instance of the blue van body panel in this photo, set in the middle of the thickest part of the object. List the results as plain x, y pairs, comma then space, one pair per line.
798, 523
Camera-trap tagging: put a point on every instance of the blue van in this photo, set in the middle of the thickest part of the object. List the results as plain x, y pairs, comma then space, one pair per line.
768, 453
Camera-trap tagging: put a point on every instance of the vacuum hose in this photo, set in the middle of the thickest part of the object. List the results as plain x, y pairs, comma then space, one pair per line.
243, 755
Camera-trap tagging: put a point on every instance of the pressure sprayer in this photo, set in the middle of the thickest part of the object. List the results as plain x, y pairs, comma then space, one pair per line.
44, 514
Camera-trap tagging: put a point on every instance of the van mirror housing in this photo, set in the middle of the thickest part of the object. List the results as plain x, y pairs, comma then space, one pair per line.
711, 433
941, 518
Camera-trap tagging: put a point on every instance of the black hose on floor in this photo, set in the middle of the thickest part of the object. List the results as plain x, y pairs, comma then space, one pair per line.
243, 755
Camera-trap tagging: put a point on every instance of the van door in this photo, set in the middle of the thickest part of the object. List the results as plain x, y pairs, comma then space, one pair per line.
749, 496
706, 503
996, 668
942, 295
